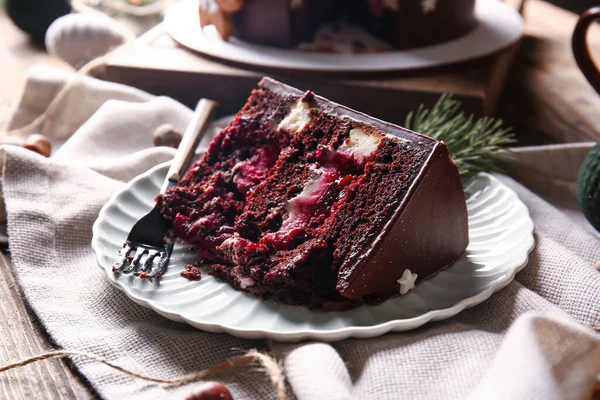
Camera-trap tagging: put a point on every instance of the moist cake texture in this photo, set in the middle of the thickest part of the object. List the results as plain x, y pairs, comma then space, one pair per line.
310, 203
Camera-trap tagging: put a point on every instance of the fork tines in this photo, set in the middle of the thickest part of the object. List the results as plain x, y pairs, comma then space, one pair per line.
153, 266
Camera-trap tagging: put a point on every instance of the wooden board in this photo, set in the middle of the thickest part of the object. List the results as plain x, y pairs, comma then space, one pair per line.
155, 63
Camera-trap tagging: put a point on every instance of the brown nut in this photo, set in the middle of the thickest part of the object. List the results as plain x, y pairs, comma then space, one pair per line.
597, 265
38, 143
166, 135
211, 391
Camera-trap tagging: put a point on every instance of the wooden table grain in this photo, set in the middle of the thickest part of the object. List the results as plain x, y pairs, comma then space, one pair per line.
546, 98
21, 336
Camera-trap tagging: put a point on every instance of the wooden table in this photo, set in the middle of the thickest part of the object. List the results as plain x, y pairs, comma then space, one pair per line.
546, 98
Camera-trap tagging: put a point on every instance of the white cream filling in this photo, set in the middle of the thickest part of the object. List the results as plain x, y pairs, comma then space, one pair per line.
312, 189
230, 246
361, 143
298, 117
245, 281
407, 281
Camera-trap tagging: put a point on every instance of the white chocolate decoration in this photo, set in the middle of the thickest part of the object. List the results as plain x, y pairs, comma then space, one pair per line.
407, 281
298, 117
361, 143
428, 6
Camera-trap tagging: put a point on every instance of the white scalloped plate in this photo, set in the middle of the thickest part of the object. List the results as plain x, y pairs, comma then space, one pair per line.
499, 26
501, 237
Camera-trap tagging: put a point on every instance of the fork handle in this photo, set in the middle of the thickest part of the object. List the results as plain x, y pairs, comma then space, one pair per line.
191, 138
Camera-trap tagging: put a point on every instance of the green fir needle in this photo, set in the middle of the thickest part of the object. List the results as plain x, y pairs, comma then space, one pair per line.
475, 144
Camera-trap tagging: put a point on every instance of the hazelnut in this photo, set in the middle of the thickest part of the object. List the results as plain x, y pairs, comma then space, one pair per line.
166, 135
38, 143
211, 391
597, 265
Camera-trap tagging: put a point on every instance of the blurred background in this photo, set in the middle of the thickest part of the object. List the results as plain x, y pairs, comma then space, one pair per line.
548, 45
577, 6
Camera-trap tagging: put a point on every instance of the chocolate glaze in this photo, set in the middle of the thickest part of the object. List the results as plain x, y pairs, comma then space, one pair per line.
275, 23
427, 231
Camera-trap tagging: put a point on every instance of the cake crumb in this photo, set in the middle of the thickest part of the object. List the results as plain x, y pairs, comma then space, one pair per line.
191, 272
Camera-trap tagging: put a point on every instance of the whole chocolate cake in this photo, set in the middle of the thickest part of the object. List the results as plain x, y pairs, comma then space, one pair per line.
311, 203
288, 23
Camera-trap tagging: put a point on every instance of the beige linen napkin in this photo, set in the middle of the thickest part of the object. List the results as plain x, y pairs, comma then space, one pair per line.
528, 341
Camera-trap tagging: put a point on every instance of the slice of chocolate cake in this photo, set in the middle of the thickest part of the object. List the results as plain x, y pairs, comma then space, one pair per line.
308, 202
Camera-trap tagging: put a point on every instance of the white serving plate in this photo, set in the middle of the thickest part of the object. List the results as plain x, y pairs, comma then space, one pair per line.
499, 26
501, 237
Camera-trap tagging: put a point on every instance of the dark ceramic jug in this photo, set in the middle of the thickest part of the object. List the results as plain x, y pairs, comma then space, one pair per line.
35, 16
581, 50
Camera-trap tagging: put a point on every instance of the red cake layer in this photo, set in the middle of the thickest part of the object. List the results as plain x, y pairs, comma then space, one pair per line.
291, 196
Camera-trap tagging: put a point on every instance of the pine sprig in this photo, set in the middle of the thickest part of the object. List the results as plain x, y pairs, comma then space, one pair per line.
475, 144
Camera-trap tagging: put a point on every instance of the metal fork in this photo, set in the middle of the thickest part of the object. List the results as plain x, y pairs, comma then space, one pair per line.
148, 235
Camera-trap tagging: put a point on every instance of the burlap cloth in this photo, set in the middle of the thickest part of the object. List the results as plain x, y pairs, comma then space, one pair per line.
531, 340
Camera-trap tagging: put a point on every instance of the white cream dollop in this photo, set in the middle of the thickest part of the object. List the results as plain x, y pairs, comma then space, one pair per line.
298, 117
361, 143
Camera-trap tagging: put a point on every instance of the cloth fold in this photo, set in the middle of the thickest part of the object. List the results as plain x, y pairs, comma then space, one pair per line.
528, 341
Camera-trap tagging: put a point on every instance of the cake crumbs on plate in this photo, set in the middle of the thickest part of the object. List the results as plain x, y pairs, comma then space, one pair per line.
191, 272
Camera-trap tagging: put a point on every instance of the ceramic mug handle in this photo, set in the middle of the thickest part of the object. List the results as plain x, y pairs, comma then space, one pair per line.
581, 50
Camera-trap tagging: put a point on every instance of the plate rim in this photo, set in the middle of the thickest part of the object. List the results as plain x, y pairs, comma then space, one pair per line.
331, 335
421, 57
